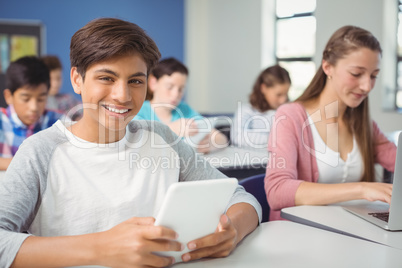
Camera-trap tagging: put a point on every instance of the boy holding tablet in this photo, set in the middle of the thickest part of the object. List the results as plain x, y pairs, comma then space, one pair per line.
86, 192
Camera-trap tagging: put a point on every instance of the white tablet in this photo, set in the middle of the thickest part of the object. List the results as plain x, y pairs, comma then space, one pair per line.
193, 209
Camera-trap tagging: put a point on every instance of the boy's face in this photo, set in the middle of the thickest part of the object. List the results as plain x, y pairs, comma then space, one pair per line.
29, 102
113, 91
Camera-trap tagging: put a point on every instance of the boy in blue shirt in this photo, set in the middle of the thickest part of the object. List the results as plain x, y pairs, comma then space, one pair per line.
27, 86
75, 188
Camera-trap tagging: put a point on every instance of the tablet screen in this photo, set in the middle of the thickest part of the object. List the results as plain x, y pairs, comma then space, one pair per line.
193, 209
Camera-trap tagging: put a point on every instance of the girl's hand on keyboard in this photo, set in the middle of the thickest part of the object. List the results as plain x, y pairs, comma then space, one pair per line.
376, 191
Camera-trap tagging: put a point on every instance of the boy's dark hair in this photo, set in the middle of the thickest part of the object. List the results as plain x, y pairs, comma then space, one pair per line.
105, 38
52, 62
168, 67
27, 71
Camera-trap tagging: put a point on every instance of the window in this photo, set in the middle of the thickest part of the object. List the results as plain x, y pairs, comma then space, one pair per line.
399, 60
295, 41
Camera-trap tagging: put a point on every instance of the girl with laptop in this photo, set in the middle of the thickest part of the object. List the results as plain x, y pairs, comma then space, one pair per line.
324, 145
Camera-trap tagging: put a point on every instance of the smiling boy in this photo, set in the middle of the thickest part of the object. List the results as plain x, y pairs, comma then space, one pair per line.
72, 187
27, 86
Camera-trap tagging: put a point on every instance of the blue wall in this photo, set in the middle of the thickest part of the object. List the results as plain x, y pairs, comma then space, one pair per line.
162, 20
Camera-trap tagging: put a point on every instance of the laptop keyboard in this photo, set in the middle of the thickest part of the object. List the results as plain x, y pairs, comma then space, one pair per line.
381, 215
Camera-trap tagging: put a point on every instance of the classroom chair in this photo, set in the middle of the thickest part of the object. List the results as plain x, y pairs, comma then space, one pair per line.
255, 186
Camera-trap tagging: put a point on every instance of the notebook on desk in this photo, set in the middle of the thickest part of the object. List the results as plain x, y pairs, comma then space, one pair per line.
386, 216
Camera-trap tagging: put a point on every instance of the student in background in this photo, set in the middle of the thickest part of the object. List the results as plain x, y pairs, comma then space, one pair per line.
64, 103
78, 188
165, 92
253, 121
27, 86
324, 148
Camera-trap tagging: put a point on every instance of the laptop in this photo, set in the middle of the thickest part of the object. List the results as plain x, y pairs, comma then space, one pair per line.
388, 217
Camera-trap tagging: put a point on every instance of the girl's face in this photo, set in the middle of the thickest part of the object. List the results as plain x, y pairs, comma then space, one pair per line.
275, 95
168, 89
353, 77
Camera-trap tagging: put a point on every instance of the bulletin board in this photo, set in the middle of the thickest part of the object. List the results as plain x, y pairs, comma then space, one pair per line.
19, 38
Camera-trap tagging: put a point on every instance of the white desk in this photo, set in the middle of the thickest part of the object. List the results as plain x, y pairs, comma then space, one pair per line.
239, 162
287, 244
336, 219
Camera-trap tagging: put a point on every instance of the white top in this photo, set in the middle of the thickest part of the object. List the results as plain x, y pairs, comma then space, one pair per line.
251, 127
331, 167
58, 184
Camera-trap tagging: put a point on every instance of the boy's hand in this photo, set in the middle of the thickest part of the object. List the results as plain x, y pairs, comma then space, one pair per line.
219, 244
131, 243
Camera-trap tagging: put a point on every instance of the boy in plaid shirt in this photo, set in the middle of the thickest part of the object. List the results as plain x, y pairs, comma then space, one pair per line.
27, 86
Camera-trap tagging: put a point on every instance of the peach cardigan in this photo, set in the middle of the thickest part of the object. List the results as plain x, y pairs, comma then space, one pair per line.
292, 158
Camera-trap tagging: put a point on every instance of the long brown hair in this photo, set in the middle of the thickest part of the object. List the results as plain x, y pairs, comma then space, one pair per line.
343, 42
270, 77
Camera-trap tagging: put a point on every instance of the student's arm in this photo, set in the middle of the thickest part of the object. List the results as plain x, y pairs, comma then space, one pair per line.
384, 150
290, 157
240, 220
4, 163
129, 244
189, 116
184, 127
213, 141
219, 139
310, 193
321, 194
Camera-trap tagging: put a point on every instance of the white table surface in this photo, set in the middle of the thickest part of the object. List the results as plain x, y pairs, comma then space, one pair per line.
238, 157
289, 244
336, 219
